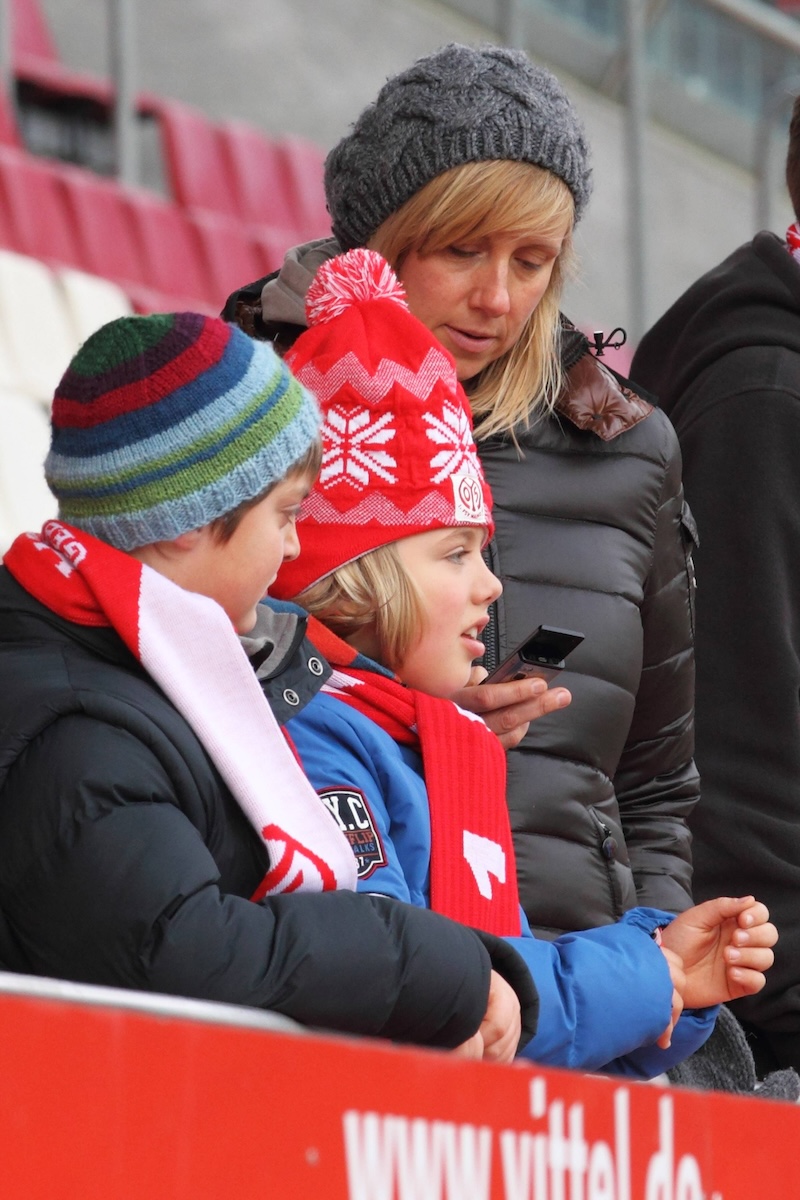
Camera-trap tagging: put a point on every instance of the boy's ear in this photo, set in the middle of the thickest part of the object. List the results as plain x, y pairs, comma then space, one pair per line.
188, 540
158, 554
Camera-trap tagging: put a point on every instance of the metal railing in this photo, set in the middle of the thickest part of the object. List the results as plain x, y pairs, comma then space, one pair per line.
156, 1003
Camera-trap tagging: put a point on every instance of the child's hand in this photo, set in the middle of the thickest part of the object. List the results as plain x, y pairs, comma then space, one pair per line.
726, 945
509, 708
678, 984
471, 1049
502, 1025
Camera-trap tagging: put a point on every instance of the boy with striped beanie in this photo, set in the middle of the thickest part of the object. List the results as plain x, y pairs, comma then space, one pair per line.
153, 818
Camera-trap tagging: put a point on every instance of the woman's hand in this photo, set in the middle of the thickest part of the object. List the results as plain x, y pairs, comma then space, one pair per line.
509, 708
725, 946
678, 984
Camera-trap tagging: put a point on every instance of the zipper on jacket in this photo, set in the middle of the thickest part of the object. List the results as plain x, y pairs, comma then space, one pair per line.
690, 542
491, 634
574, 345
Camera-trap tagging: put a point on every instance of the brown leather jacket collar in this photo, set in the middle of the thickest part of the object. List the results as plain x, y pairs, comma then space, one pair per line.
596, 399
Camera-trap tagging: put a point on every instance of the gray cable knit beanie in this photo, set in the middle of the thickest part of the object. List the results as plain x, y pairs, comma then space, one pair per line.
460, 104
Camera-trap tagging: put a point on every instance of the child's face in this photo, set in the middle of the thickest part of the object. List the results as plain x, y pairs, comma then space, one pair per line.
456, 588
237, 573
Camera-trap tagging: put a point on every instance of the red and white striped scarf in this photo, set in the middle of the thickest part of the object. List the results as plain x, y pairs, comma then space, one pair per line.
189, 647
793, 241
473, 871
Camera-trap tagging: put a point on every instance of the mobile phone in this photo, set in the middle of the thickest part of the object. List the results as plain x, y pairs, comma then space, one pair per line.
542, 654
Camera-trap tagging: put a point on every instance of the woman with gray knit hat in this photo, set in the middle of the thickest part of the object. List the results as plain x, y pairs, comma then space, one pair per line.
468, 173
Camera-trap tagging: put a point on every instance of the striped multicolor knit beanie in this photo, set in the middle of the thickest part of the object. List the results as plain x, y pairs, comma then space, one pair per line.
164, 423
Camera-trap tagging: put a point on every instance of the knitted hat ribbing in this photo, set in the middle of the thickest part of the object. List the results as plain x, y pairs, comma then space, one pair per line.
398, 456
163, 423
460, 104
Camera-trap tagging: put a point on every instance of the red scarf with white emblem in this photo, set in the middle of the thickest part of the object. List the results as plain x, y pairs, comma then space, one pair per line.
189, 647
473, 871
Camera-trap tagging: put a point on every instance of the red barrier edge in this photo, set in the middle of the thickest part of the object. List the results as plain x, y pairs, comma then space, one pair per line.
102, 1102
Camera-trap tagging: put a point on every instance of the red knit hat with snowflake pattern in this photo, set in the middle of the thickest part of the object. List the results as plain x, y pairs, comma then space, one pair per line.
398, 455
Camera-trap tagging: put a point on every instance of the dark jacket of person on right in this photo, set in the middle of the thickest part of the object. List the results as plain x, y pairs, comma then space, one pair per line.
724, 361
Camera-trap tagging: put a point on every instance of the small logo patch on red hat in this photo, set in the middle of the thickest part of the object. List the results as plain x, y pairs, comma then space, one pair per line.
468, 500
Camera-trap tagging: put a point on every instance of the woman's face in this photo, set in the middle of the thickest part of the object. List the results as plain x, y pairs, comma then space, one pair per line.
476, 296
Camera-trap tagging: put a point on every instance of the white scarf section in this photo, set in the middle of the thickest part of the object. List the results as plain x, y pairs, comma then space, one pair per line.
188, 646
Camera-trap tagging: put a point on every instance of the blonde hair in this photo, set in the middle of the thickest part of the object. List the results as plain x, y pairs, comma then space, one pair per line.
473, 200
373, 594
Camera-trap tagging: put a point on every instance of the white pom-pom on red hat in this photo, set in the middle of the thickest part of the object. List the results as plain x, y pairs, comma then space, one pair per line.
350, 279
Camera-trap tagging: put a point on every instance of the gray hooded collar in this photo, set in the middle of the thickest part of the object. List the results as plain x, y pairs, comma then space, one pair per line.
283, 297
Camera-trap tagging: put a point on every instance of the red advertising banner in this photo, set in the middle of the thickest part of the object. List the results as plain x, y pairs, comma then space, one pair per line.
101, 1103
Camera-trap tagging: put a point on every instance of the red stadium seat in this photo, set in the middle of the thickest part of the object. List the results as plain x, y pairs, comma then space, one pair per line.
38, 65
30, 32
35, 208
171, 251
195, 164
305, 163
270, 246
106, 236
36, 58
103, 228
259, 171
229, 254
9, 132
66, 216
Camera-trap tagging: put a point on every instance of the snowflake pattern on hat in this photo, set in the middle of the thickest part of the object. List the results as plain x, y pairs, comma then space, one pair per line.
351, 448
398, 455
453, 430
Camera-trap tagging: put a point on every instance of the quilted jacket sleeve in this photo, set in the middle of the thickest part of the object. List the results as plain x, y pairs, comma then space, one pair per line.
657, 783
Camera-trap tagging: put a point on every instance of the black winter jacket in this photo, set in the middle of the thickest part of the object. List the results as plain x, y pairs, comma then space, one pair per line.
124, 860
725, 361
592, 534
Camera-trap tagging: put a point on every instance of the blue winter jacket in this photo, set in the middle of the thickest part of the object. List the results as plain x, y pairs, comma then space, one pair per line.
605, 993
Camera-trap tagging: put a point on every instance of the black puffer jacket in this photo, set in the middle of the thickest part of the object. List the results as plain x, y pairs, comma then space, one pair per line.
124, 860
593, 535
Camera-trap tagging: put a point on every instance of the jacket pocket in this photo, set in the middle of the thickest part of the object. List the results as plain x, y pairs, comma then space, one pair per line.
690, 542
608, 846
